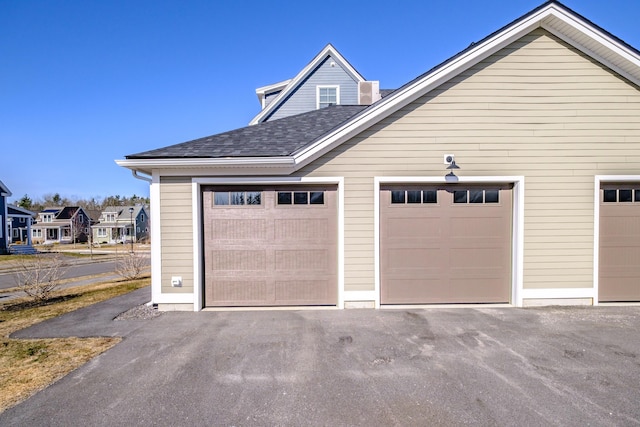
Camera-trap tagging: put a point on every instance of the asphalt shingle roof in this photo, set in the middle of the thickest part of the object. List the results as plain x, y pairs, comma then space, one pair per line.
275, 138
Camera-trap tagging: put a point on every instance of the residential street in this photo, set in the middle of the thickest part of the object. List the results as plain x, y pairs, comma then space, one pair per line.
79, 268
564, 366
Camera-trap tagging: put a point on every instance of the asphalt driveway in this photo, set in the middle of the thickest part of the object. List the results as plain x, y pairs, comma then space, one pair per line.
483, 366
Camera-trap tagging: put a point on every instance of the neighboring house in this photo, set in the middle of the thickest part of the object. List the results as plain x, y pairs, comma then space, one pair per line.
327, 80
117, 224
67, 224
508, 174
5, 237
20, 221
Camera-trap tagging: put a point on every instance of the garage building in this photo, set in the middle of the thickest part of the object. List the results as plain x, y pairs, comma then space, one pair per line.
509, 174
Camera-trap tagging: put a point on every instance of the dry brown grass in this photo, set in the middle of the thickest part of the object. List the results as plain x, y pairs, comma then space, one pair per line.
27, 366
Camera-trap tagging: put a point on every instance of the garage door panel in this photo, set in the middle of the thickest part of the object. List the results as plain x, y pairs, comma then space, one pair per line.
414, 226
238, 260
301, 260
238, 229
619, 250
476, 225
413, 258
621, 289
303, 292
471, 258
315, 230
236, 291
463, 290
269, 254
445, 252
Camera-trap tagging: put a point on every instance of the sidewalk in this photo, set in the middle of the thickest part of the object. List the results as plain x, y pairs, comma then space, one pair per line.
92, 321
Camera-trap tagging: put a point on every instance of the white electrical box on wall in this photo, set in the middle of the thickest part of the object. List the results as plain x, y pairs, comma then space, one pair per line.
176, 281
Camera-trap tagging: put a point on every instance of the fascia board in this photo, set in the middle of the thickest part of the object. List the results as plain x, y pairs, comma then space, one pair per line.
442, 74
329, 50
227, 166
599, 37
261, 92
269, 88
204, 162
4, 190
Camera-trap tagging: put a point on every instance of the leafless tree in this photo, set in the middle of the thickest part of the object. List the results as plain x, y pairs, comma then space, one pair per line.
40, 274
131, 266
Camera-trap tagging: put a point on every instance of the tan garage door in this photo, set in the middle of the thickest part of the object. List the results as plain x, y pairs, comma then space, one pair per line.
445, 244
270, 246
619, 265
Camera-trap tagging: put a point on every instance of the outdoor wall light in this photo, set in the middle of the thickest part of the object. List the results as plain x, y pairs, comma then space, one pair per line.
451, 177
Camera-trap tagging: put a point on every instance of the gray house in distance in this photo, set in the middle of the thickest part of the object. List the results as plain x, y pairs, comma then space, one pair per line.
508, 174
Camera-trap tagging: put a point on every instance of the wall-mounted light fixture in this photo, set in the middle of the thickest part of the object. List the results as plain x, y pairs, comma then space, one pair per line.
451, 177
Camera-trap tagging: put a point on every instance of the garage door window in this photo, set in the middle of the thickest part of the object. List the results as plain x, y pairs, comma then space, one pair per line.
621, 195
414, 196
237, 198
301, 197
478, 196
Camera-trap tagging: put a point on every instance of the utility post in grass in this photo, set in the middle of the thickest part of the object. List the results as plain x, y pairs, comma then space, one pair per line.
132, 228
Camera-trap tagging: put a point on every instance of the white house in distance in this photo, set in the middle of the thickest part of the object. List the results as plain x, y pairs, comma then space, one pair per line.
508, 174
65, 224
121, 224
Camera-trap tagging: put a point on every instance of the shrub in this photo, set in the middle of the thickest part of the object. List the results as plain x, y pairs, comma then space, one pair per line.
131, 266
40, 274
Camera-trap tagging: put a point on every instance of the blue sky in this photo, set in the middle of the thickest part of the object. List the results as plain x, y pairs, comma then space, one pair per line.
85, 82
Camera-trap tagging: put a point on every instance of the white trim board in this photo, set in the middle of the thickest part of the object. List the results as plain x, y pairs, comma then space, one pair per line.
599, 179
517, 244
196, 191
156, 240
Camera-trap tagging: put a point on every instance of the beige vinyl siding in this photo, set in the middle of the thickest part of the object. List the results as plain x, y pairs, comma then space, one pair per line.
537, 108
176, 233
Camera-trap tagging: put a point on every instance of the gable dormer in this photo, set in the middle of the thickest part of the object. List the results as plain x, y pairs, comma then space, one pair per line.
49, 214
327, 80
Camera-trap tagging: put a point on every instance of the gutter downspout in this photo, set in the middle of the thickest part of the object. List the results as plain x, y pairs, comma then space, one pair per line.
140, 177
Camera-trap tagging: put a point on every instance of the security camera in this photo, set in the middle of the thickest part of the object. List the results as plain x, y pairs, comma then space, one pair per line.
448, 158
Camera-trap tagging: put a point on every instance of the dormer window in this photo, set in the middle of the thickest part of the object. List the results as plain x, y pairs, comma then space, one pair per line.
47, 218
328, 95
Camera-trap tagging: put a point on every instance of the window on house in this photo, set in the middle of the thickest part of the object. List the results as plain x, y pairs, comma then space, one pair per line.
236, 198
301, 197
328, 95
480, 196
47, 218
414, 196
621, 195
110, 217
23, 220
141, 217
36, 233
102, 232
